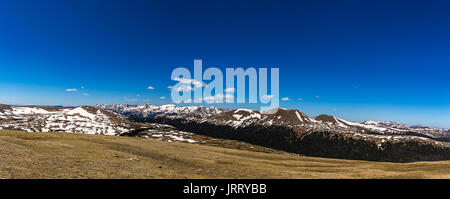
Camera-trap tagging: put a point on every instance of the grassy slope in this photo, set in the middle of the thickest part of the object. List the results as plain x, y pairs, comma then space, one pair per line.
65, 155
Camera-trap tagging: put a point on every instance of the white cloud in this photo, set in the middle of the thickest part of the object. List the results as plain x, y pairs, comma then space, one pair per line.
317, 97
285, 99
229, 90
196, 83
187, 85
300, 99
184, 88
71, 89
151, 88
85, 94
162, 97
266, 97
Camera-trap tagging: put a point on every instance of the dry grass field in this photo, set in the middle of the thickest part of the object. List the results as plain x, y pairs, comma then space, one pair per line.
65, 155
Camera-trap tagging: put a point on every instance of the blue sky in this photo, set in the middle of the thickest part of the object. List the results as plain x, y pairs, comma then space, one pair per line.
365, 60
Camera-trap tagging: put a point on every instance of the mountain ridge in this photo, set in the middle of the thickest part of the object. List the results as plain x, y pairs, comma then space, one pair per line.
282, 129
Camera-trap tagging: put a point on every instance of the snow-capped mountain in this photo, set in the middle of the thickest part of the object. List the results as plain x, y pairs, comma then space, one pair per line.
84, 119
288, 130
387, 128
151, 111
239, 118
294, 131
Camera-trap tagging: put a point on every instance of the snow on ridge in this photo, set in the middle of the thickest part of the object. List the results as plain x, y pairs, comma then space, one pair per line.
81, 111
237, 116
168, 106
28, 110
298, 116
145, 110
243, 117
71, 120
339, 123
243, 109
370, 122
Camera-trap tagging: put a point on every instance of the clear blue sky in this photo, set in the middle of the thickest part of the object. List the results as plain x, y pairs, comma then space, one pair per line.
367, 60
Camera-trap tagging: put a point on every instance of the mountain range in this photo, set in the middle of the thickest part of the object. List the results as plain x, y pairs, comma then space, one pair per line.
282, 129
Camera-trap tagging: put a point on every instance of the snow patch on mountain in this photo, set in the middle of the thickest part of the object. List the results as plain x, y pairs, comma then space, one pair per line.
28, 110
75, 120
82, 112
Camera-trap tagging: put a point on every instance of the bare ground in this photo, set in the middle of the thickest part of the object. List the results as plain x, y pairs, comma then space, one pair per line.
65, 155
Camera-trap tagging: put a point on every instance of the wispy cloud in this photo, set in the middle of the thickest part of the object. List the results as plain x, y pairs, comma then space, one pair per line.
229, 90
285, 99
300, 99
317, 97
266, 97
186, 85
196, 83
85, 94
184, 88
71, 90
162, 97
150, 88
